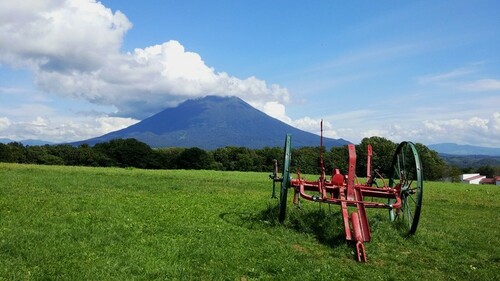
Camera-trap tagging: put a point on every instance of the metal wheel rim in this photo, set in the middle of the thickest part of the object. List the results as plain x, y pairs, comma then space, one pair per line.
286, 182
406, 170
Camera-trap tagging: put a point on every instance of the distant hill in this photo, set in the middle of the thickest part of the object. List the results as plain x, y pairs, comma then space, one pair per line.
471, 161
455, 149
26, 142
212, 122
467, 156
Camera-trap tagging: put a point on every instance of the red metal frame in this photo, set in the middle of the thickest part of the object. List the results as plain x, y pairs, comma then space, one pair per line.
344, 191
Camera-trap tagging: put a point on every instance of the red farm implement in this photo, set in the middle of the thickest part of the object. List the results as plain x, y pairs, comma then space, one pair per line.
401, 196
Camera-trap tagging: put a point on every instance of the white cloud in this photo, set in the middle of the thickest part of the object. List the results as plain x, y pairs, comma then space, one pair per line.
314, 125
457, 79
482, 85
308, 124
436, 78
73, 49
473, 130
274, 109
59, 129
4, 123
59, 35
108, 124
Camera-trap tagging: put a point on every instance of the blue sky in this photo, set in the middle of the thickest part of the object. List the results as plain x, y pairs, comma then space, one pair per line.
425, 71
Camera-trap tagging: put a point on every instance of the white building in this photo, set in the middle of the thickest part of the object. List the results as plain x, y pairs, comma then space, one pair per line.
471, 178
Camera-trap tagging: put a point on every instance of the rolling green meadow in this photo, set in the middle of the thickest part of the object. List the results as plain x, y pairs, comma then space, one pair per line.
81, 223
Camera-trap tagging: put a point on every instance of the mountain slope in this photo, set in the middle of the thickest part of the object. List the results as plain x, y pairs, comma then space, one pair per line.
212, 122
456, 149
470, 161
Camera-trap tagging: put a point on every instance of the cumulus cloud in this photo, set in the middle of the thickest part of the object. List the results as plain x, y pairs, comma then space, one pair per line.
313, 125
278, 111
4, 123
73, 49
473, 130
56, 35
62, 129
274, 109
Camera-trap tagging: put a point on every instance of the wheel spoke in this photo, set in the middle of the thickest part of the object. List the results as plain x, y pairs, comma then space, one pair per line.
409, 216
412, 199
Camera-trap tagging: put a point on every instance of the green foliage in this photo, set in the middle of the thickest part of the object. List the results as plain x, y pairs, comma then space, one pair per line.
12, 153
452, 173
41, 155
266, 156
340, 158
127, 152
433, 164
166, 158
307, 159
80, 223
487, 171
194, 158
133, 153
383, 152
238, 159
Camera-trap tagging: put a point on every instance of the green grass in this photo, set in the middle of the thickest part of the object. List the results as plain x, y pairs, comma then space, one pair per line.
76, 223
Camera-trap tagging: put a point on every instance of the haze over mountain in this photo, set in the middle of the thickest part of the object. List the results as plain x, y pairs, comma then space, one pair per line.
456, 149
212, 122
29, 142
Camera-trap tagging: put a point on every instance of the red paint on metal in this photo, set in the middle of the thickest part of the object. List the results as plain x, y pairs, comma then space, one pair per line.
342, 190
363, 220
369, 162
338, 179
351, 175
358, 236
356, 227
360, 248
345, 217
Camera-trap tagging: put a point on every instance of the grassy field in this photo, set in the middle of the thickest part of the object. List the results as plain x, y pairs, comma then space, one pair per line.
76, 223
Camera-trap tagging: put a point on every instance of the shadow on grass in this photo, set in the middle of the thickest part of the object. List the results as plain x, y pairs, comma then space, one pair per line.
323, 224
247, 220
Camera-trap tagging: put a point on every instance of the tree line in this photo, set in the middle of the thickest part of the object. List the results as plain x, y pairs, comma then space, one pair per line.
133, 153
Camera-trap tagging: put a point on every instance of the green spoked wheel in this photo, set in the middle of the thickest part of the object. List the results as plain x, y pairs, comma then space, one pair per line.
286, 179
406, 173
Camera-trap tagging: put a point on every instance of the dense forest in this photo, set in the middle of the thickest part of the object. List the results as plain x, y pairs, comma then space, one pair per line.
133, 153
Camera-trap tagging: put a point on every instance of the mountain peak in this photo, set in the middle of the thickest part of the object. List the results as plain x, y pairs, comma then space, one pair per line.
212, 122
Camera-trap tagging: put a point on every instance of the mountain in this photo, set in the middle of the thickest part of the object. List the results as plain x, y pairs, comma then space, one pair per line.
212, 122
4, 140
29, 142
455, 149
470, 161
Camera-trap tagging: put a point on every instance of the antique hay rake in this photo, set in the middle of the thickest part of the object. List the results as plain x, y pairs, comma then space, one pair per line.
403, 191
